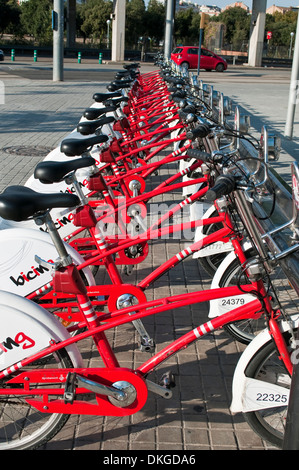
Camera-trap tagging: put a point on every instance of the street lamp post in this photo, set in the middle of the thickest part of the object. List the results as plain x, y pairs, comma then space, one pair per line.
108, 30
291, 44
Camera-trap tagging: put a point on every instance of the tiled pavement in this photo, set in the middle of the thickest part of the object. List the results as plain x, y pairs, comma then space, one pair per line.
39, 114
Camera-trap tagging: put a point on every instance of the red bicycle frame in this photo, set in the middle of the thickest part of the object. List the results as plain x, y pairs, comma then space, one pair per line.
65, 303
50, 400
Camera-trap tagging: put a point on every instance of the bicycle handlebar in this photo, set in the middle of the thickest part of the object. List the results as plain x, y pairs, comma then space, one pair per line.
199, 155
203, 130
223, 186
177, 95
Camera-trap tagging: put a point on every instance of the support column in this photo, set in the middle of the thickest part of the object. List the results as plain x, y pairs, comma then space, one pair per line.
118, 30
58, 46
257, 33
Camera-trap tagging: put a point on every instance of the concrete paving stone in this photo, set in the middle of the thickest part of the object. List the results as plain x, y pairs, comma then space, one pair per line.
196, 437
248, 440
169, 434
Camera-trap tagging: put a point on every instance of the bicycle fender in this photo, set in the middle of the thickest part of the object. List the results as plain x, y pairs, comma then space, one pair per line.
223, 305
174, 134
105, 129
187, 190
196, 211
250, 394
19, 272
27, 328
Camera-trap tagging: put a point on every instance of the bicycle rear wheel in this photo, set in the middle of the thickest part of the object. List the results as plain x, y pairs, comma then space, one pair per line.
22, 427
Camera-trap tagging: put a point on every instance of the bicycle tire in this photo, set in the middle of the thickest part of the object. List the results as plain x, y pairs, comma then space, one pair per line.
243, 331
22, 427
269, 424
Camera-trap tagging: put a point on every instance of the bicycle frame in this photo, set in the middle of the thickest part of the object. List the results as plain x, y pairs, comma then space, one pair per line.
116, 211
41, 399
55, 300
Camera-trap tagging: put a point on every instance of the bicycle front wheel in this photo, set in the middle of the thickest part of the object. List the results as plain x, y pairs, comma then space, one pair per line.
22, 427
266, 366
243, 331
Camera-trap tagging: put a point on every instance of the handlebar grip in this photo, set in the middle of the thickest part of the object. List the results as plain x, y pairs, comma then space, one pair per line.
179, 94
188, 117
199, 155
201, 131
223, 186
175, 99
190, 108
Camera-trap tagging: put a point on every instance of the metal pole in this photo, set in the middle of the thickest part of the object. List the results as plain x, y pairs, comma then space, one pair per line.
293, 87
291, 435
201, 30
108, 34
169, 28
291, 44
58, 47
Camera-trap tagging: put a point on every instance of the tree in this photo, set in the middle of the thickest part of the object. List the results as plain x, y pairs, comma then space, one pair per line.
281, 26
237, 25
94, 15
9, 17
155, 21
36, 19
135, 22
186, 27
182, 25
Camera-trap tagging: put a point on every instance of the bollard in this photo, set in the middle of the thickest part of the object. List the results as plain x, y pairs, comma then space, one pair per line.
35, 56
100, 57
79, 57
12, 55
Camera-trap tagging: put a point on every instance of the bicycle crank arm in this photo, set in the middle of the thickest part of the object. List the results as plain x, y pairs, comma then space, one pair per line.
96, 387
158, 389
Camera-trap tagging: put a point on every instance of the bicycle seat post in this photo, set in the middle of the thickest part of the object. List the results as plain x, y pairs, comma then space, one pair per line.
72, 179
64, 258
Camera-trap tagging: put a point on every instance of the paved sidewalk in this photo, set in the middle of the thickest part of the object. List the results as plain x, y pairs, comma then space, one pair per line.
36, 116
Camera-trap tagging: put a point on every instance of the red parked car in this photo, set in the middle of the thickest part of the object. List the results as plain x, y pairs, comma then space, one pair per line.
187, 56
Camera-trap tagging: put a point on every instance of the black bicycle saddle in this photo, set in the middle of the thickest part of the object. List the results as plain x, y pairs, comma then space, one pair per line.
20, 203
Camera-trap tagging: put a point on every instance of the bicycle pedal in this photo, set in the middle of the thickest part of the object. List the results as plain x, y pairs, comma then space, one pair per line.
128, 269
70, 388
167, 380
147, 344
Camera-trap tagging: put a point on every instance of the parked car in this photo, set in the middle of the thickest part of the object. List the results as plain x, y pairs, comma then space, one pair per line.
187, 56
1, 55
